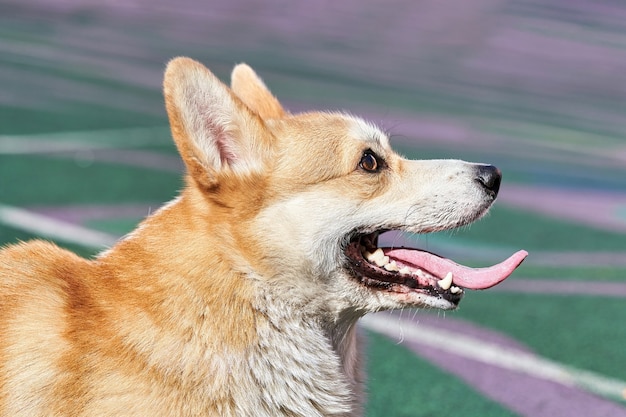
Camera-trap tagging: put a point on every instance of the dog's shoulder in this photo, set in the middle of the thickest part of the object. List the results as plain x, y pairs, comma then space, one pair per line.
37, 262
38, 281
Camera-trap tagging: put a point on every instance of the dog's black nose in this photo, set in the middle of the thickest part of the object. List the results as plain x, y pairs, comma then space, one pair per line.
490, 177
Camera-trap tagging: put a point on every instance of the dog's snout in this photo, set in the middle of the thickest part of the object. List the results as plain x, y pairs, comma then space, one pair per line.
489, 177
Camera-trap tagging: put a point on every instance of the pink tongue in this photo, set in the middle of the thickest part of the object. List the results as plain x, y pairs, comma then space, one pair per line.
462, 276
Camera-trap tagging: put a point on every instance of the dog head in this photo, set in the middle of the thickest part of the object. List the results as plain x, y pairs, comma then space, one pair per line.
300, 199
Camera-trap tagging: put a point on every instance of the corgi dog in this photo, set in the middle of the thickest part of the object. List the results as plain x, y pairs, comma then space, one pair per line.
241, 296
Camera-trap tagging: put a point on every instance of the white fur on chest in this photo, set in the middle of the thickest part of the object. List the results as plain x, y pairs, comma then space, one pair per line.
300, 369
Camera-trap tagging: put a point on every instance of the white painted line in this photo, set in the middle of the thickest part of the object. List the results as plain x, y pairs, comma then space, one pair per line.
23, 146
493, 354
54, 229
83, 140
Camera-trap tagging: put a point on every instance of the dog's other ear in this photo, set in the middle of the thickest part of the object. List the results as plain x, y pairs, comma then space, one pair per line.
213, 130
252, 90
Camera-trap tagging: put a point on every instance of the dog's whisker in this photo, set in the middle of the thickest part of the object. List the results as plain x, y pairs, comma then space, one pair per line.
415, 311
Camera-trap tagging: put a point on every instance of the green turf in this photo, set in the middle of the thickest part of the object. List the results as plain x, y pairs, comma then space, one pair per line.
404, 385
586, 332
36, 180
582, 273
117, 226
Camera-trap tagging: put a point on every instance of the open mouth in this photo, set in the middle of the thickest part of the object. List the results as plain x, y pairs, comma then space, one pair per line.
403, 270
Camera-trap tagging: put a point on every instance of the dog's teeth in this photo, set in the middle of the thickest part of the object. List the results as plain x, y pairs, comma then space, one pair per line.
372, 256
379, 258
382, 261
392, 266
455, 290
446, 282
405, 270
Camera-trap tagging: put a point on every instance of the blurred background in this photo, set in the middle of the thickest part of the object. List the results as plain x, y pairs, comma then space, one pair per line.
537, 88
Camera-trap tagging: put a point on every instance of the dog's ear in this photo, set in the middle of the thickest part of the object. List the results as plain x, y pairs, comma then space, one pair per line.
213, 130
252, 90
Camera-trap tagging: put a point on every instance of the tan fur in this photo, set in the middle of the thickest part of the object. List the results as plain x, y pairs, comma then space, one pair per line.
252, 90
231, 300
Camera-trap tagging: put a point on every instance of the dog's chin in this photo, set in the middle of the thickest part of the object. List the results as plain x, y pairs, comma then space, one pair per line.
402, 284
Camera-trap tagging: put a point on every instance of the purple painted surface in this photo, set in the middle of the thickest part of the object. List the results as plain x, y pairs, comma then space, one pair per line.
527, 395
83, 213
521, 393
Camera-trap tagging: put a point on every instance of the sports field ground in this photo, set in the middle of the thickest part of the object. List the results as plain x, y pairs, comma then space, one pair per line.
536, 88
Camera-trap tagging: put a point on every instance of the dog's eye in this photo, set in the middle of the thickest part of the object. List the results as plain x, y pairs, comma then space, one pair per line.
369, 162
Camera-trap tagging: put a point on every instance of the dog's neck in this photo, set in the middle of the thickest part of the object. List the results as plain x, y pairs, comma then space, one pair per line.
325, 349
302, 342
